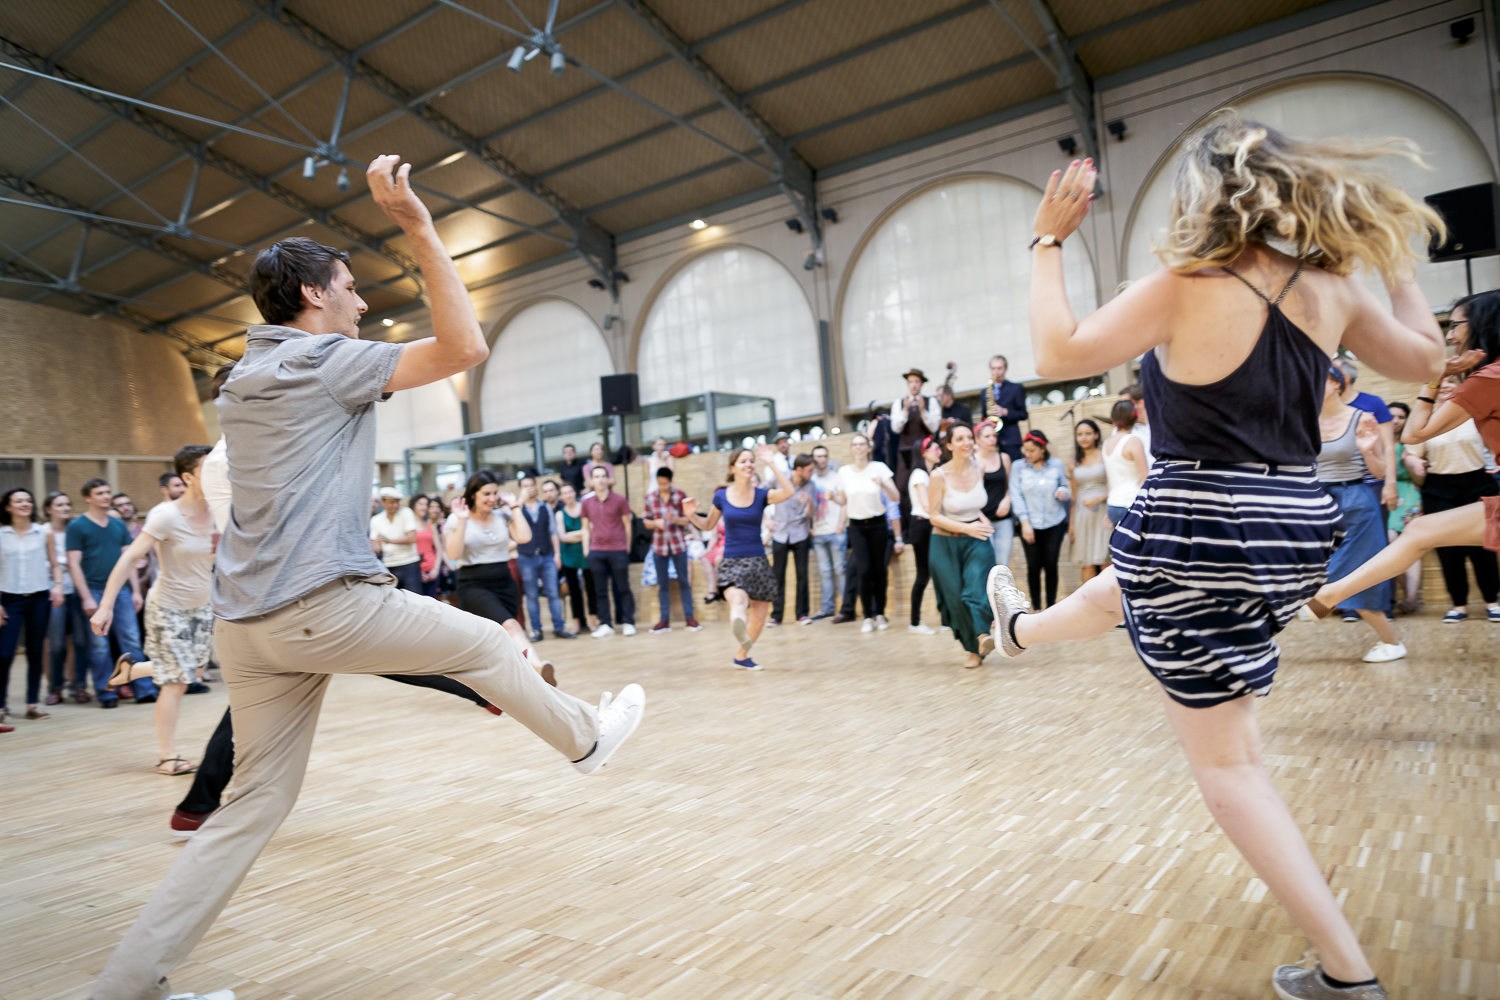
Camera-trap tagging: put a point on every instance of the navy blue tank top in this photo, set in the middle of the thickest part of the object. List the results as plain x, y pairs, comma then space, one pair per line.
1265, 411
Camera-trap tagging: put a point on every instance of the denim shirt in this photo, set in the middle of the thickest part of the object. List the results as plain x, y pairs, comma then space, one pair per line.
1032, 492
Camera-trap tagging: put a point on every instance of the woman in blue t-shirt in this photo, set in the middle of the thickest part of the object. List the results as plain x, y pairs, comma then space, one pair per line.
745, 577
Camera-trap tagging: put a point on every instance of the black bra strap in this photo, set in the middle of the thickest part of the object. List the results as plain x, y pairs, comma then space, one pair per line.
1297, 274
1247, 284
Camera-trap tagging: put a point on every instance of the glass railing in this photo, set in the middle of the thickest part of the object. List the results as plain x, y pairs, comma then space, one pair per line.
710, 421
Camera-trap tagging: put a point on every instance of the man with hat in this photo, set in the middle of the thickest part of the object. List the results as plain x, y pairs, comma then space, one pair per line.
781, 458
913, 417
393, 536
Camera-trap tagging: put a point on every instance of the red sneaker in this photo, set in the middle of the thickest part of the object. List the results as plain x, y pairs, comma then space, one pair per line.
661, 628
185, 824
693, 626
7, 729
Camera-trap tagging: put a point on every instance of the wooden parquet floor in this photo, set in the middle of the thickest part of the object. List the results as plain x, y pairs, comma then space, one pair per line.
864, 819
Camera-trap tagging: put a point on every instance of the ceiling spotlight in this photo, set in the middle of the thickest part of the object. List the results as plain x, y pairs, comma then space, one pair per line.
1068, 145
387, 322
698, 224
1461, 30
309, 168
343, 181
453, 157
596, 283
559, 63
517, 57
813, 258
794, 224
1117, 129
830, 215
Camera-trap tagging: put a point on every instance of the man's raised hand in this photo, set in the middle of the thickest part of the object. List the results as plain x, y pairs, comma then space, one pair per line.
394, 194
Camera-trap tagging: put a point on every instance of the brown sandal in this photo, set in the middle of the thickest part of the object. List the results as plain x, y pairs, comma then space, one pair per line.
179, 766
1318, 609
127, 670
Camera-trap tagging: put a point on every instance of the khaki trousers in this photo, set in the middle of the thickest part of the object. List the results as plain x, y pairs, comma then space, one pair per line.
277, 667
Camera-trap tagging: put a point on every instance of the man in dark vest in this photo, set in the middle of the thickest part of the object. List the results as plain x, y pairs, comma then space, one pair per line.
1007, 402
913, 417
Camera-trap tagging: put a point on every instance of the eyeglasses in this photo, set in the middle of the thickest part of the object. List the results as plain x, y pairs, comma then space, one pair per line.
1457, 322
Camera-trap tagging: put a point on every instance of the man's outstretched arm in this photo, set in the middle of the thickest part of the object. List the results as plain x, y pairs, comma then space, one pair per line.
457, 343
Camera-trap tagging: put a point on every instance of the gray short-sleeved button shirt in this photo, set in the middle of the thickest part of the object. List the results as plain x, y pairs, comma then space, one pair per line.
298, 415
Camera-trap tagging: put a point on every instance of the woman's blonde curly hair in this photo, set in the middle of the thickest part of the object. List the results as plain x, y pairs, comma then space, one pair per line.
1242, 182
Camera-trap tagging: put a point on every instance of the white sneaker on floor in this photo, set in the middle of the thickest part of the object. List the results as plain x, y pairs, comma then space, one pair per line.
628, 629
603, 632
881, 623
868, 626
618, 717
215, 995
921, 629
1384, 652
944, 628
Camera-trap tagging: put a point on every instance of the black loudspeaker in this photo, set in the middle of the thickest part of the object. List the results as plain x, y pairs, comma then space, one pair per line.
620, 394
1472, 222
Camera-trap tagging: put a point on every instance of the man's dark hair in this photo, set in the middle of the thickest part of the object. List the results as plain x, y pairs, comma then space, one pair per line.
525, 476
665, 472
187, 458
802, 461
817, 446
220, 377
120, 496
165, 478
1133, 390
280, 271
575, 450
1000, 357
90, 485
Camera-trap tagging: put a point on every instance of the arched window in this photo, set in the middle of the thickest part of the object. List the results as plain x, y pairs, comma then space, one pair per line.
732, 320
944, 277
545, 365
1361, 107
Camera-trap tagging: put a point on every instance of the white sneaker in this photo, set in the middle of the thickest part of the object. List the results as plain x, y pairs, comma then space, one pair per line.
921, 629
628, 629
215, 995
881, 623
944, 628
603, 632
1384, 652
868, 626
618, 718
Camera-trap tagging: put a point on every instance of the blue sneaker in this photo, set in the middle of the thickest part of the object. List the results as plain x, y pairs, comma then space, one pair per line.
748, 664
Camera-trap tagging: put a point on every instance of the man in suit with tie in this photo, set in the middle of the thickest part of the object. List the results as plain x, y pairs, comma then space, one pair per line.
1007, 401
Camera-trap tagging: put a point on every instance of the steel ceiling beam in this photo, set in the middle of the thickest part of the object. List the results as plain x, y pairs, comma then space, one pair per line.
200, 152
76, 39
1073, 80
792, 174
589, 240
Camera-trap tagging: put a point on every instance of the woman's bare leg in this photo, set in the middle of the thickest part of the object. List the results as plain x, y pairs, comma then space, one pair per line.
1460, 526
1223, 748
1377, 621
168, 699
758, 611
739, 611
1087, 573
1091, 609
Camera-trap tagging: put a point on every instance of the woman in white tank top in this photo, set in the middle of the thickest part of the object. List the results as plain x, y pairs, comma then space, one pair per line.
961, 556
1124, 461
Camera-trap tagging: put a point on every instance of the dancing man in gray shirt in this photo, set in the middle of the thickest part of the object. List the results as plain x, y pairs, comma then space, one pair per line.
298, 593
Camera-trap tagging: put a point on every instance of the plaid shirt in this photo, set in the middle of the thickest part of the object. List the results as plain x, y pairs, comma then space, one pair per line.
668, 540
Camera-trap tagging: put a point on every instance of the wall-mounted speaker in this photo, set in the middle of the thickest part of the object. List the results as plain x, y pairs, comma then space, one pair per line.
1472, 223
620, 394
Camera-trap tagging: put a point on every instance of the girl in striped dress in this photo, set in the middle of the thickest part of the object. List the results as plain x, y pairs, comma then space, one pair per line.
1232, 531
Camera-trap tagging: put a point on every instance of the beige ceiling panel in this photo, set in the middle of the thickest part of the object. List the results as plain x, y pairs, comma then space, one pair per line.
1179, 30
684, 197
921, 117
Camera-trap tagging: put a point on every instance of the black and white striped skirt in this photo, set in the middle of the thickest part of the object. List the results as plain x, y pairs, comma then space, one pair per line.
1213, 561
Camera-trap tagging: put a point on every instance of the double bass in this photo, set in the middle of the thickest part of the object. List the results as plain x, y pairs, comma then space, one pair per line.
947, 422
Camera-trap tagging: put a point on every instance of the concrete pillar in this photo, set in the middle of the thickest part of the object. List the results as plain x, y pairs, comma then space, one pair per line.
38, 481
